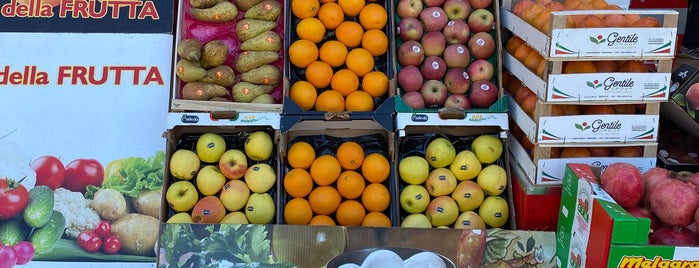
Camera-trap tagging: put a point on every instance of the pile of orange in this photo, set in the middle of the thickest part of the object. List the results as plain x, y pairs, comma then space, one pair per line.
338, 41
348, 188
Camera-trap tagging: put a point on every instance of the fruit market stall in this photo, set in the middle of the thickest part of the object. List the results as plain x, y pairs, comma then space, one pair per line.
83, 102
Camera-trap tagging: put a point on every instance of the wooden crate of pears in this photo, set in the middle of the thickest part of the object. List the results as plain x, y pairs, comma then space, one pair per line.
229, 56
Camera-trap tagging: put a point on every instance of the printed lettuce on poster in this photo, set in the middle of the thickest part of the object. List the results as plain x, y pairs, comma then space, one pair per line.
132, 175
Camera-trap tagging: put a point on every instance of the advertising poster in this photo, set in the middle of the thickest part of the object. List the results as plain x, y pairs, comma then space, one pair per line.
84, 89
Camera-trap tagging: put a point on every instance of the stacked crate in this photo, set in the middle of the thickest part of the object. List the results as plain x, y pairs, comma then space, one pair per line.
543, 128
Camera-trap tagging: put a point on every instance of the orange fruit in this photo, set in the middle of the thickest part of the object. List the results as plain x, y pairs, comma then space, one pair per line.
298, 182
344, 81
375, 167
331, 15
376, 219
319, 73
304, 94
373, 16
579, 67
359, 101
349, 33
300, 155
302, 52
305, 8
330, 101
311, 29
324, 200
297, 211
350, 184
571, 152
375, 197
375, 83
351, 7
375, 41
323, 220
350, 154
325, 169
350, 213
360, 61
333, 53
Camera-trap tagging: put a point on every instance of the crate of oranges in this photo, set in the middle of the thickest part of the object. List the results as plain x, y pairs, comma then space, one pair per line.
337, 173
338, 57
229, 56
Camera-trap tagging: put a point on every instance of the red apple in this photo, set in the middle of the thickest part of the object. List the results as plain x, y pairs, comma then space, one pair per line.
483, 94
481, 20
413, 99
409, 78
480, 3
457, 9
457, 101
409, 8
410, 53
457, 80
433, 68
410, 29
480, 69
456, 55
692, 96
233, 164
434, 92
433, 43
481, 45
433, 18
433, 3
456, 32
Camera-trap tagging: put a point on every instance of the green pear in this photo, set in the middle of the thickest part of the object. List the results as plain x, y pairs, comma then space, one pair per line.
466, 165
223, 99
203, 91
246, 92
265, 75
222, 12
260, 208
248, 60
268, 40
189, 71
440, 152
190, 49
204, 3
246, 4
488, 148
214, 53
264, 99
249, 28
268, 10
222, 75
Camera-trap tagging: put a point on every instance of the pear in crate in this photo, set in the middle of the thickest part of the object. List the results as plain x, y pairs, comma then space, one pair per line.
249, 28
246, 4
265, 75
264, 99
190, 49
248, 60
214, 53
246, 92
268, 40
221, 12
202, 91
204, 3
222, 75
189, 71
268, 10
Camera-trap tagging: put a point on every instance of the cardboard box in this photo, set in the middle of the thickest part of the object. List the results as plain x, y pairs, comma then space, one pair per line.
596, 43
415, 131
597, 232
188, 27
534, 203
538, 166
591, 222
326, 136
233, 130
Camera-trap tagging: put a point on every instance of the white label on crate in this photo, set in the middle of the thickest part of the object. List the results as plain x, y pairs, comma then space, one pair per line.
608, 87
551, 171
613, 42
598, 128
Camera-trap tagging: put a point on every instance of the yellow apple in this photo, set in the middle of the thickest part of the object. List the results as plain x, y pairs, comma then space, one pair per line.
235, 217
440, 182
181, 217
413, 169
414, 198
494, 211
260, 208
181, 196
210, 180
442, 211
233, 164
488, 148
465, 166
260, 177
469, 220
210, 147
416, 221
184, 164
468, 195
234, 194
440, 152
492, 179
259, 146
